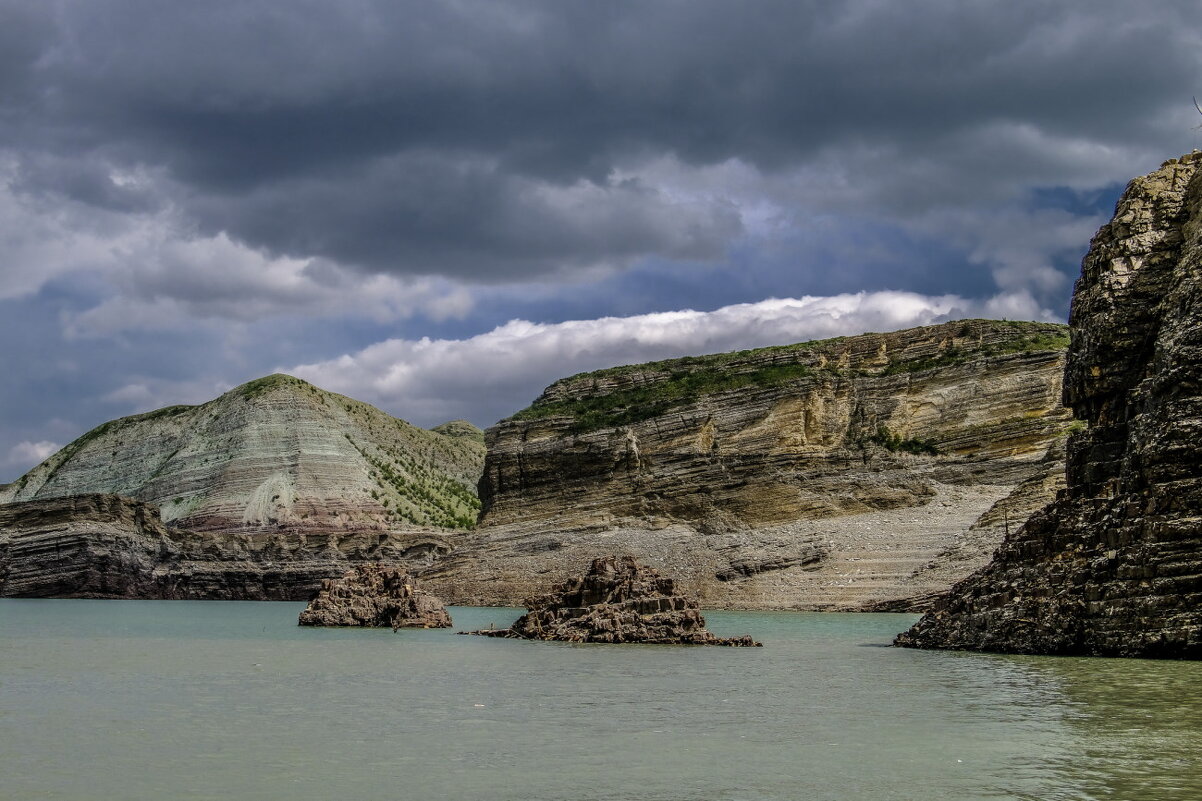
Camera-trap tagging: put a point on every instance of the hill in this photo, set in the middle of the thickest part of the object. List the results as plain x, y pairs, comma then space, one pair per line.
274, 453
839, 474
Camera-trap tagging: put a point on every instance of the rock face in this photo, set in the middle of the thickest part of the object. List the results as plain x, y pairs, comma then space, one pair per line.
106, 546
376, 596
616, 601
274, 454
1114, 566
825, 475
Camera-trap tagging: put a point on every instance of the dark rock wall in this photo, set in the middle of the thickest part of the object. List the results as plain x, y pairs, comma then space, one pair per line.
1114, 567
107, 546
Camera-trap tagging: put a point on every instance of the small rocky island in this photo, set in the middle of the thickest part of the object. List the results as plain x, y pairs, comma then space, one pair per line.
616, 601
375, 596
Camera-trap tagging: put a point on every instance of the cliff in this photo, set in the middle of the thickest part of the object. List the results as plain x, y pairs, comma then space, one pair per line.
107, 546
1114, 566
833, 474
274, 454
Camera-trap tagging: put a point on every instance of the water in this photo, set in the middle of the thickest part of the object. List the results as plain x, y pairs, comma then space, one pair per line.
211, 700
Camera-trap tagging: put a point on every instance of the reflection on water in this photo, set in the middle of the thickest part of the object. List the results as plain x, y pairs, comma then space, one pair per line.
151, 700
1138, 724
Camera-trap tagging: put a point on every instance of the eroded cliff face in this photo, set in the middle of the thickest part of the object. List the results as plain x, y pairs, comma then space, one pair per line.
275, 454
834, 474
107, 546
1114, 567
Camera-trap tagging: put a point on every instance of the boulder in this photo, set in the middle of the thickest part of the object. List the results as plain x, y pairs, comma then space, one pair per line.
372, 595
616, 601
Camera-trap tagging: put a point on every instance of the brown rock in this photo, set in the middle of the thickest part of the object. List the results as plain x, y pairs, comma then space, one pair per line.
1114, 566
616, 601
375, 596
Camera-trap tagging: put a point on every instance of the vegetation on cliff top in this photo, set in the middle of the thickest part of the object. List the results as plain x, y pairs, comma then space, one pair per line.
460, 429
648, 390
261, 386
652, 399
952, 356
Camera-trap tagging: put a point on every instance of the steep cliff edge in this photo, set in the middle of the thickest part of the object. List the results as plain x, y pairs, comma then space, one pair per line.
827, 474
107, 546
1114, 567
276, 453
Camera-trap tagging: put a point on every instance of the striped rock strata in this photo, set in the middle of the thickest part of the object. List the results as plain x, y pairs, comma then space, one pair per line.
843, 474
1114, 566
276, 454
107, 546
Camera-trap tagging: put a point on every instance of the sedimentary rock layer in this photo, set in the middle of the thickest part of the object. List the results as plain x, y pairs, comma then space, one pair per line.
274, 454
106, 546
827, 475
774, 435
1114, 567
617, 600
375, 596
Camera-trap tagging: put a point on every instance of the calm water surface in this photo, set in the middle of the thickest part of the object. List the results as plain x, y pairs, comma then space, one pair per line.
219, 700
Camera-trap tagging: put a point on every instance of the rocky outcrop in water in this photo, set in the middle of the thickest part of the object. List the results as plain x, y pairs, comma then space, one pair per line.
375, 596
275, 454
107, 546
616, 601
824, 475
1114, 567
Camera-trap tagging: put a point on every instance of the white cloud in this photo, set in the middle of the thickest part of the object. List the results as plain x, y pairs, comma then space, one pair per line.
143, 393
153, 272
491, 375
26, 454
168, 282
42, 240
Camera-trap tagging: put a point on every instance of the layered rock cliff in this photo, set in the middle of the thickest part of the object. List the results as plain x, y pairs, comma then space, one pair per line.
1114, 566
830, 474
274, 454
107, 546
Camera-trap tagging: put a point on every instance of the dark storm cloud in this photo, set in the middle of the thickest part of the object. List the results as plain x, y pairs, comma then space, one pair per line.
423, 212
83, 181
483, 139
192, 194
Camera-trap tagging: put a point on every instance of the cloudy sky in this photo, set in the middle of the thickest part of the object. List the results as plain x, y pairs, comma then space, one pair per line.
440, 207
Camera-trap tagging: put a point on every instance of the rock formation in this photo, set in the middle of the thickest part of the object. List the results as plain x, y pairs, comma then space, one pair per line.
616, 601
1114, 566
845, 474
824, 475
106, 546
274, 454
376, 596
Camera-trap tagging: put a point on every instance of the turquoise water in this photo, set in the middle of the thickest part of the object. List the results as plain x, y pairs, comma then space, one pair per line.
220, 700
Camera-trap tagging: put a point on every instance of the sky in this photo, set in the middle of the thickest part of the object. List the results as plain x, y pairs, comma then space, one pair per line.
442, 207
